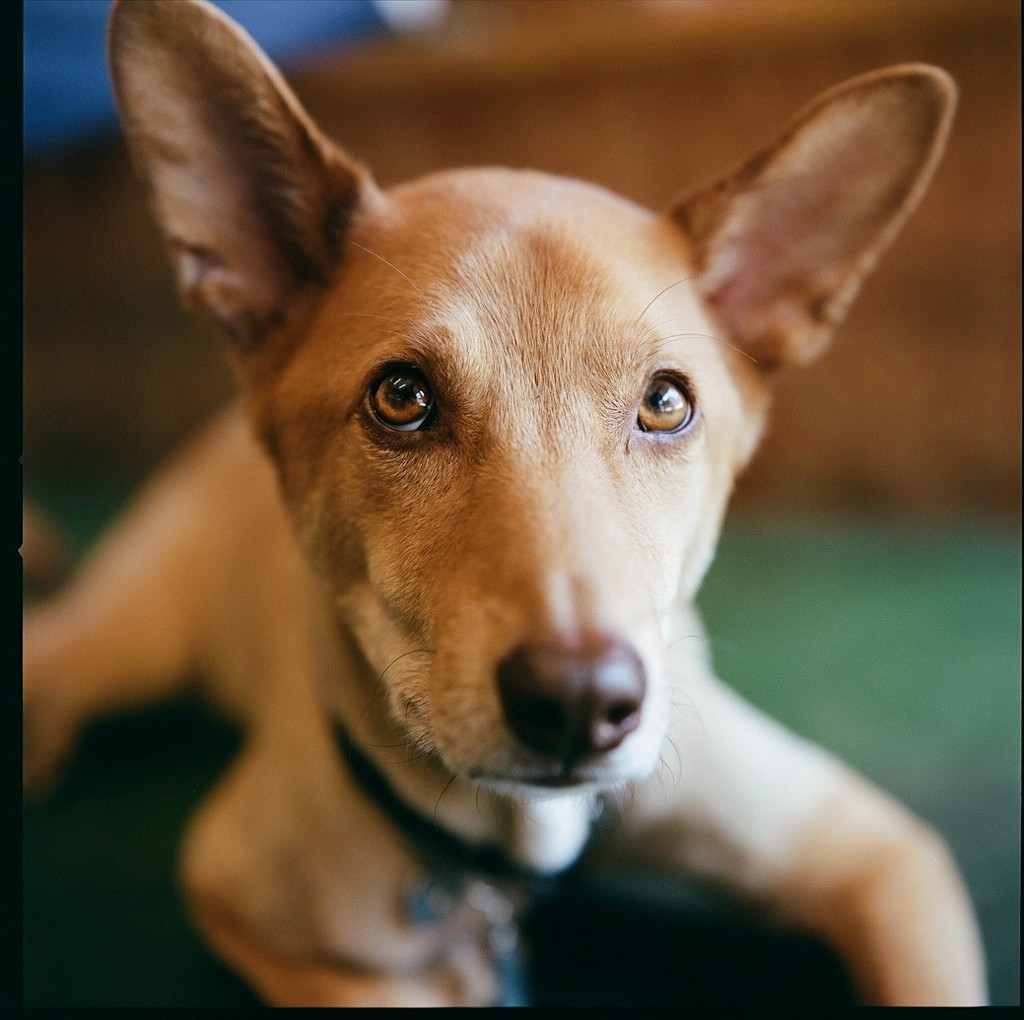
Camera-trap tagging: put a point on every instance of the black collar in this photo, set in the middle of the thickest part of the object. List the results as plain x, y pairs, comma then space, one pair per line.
434, 844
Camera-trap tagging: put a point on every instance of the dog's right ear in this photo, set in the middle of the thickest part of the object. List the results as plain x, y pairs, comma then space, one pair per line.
252, 198
782, 244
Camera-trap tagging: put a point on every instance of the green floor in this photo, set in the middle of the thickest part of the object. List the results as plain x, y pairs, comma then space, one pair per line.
900, 650
897, 648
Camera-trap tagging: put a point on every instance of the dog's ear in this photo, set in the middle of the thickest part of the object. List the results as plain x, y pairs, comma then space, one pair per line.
782, 244
252, 198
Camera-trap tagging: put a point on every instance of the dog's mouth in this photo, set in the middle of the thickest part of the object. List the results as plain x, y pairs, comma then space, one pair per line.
591, 772
504, 783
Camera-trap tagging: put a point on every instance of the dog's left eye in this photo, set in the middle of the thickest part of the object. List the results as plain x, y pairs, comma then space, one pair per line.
666, 406
402, 399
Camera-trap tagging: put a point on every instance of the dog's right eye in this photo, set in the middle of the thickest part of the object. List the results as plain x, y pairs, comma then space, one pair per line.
402, 399
667, 406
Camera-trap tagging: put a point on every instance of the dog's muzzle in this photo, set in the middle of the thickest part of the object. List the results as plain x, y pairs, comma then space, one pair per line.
569, 703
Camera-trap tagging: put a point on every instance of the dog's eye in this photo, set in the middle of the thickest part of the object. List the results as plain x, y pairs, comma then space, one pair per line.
402, 399
666, 406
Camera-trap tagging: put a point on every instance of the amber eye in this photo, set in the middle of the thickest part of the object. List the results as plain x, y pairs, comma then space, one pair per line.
666, 406
402, 399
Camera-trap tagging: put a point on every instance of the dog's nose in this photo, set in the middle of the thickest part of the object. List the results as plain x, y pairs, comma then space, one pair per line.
569, 702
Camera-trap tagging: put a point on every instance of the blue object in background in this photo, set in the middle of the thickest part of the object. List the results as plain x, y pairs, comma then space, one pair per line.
67, 94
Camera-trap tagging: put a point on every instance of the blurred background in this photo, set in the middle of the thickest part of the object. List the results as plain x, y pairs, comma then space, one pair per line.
868, 588
915, 410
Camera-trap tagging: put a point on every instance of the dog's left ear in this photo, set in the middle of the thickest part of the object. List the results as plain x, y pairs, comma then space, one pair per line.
252, 198
781, 245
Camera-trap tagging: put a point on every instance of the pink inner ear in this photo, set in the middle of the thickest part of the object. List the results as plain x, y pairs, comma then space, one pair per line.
222, 293
806, 227
768, 264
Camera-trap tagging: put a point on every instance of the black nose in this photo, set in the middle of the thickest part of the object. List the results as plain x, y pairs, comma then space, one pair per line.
569, 702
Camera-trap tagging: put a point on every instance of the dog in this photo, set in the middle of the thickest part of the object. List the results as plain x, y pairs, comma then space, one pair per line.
441, 558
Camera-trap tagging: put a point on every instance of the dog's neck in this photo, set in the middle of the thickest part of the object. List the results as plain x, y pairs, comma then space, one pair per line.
540, 843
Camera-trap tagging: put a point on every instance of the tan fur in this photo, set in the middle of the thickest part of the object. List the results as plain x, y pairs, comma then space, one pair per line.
315, 566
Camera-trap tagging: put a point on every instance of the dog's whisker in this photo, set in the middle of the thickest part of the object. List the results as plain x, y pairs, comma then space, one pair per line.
685, 703
389, 745
663, 770
621, 796
440, 796
717, 340
686, 637
418, 753
653, 330
666, 778
660, 294
379, 689
678, 775
391, 265
659, 776
403, 655
649, 333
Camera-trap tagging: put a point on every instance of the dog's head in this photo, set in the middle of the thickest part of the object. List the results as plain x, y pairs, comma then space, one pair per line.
506, 409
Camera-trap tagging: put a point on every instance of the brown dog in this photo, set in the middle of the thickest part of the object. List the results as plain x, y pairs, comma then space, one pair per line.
443, 565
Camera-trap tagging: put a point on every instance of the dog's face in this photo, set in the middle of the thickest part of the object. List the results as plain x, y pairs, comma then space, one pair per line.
506, 409
511, 424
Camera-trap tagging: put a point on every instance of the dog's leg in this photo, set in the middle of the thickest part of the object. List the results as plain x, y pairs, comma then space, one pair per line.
127, 628
281, 980
298, 883
883, 889
765, 813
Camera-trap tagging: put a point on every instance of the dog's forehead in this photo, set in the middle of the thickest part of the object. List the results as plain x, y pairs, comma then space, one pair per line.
531, 264
468, 199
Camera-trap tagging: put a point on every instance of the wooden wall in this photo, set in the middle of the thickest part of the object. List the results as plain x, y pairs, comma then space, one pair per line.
915, 411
